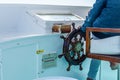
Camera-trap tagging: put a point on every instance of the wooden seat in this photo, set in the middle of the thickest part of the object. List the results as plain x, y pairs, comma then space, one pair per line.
99, 55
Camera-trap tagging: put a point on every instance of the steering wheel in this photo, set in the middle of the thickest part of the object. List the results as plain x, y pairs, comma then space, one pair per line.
73, 49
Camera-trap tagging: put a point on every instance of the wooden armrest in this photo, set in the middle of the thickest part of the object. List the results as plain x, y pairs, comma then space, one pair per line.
111, 58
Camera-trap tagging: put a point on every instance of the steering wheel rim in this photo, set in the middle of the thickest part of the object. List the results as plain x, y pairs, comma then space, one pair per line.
67, 50
73, 49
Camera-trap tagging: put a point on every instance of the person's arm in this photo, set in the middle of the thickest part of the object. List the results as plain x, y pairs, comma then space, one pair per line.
93, 14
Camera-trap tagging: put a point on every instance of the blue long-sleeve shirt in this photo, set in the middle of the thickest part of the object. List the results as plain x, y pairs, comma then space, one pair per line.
104, 14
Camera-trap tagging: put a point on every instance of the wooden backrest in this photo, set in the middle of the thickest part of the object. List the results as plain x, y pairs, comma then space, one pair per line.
112, 58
